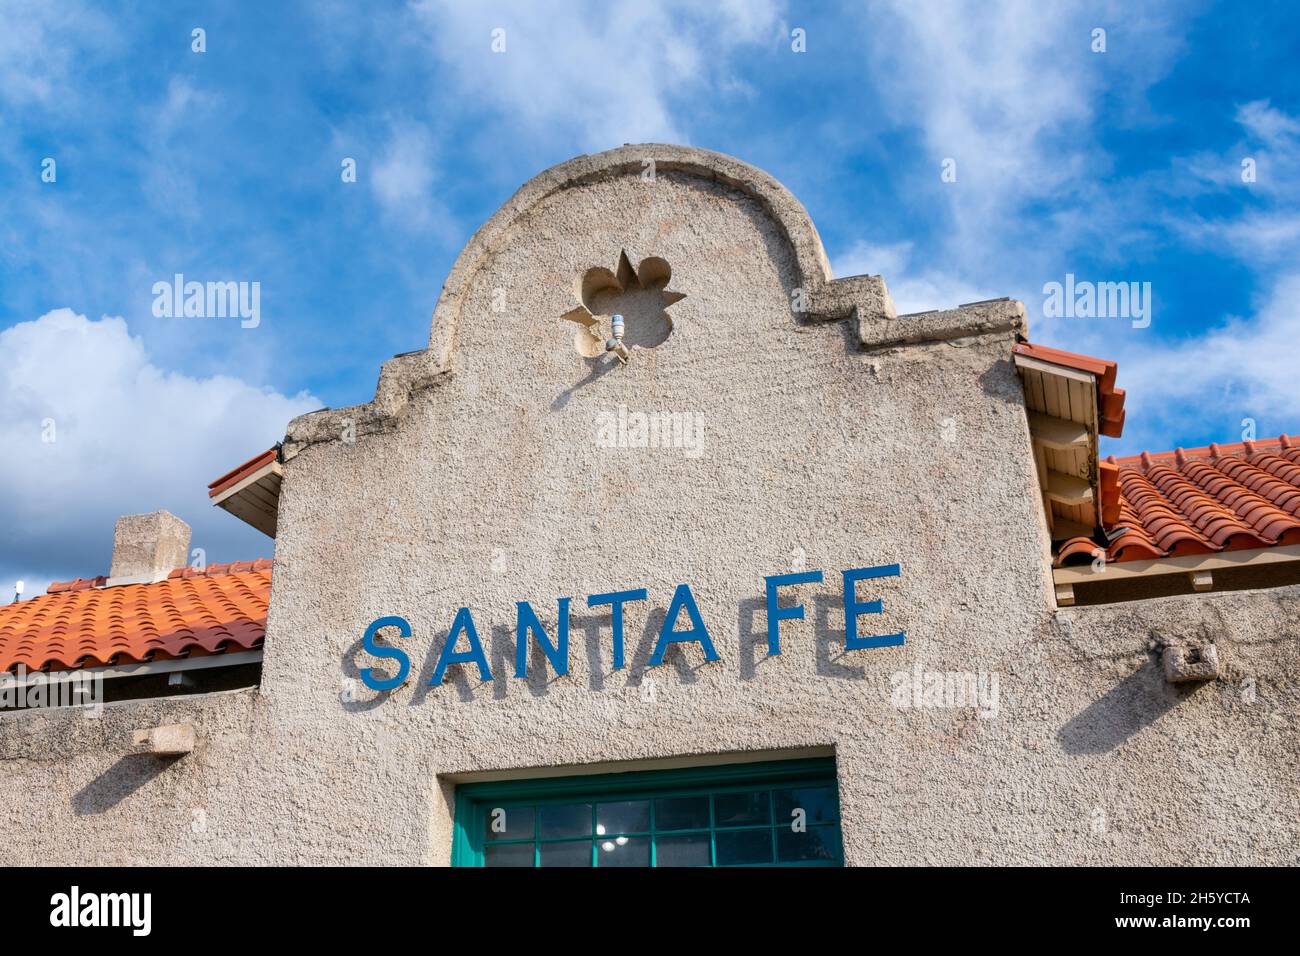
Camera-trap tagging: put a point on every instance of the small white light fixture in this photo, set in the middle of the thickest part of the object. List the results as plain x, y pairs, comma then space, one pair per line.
615, 342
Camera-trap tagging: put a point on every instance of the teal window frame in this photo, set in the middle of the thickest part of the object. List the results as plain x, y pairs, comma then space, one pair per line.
474, 801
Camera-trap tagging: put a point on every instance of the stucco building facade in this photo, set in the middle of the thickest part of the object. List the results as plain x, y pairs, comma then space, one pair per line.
769, 420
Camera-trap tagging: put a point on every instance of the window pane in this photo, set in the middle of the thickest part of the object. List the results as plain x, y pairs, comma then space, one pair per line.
744, 846
623, 851
817, 843
818, 803
568, 853
688, 849
740, 809
511, 854
509, 823
569, 819
681, 813
632, 816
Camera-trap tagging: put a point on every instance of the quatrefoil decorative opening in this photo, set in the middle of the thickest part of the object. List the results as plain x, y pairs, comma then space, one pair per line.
638, 294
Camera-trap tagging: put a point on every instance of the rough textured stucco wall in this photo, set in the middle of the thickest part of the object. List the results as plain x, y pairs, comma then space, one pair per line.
476, 479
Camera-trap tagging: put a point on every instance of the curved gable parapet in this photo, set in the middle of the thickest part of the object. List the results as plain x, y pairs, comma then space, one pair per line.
863, 299
775, 200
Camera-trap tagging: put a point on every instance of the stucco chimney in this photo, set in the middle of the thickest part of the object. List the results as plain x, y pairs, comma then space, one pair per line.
148, 547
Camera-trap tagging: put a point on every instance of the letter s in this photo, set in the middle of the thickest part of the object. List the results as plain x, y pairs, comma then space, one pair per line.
375, 650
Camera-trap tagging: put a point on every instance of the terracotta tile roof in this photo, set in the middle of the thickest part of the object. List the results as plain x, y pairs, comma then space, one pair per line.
191, 613
1200, 500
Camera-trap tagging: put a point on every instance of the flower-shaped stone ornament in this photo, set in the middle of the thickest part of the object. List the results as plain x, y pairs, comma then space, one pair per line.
638, 294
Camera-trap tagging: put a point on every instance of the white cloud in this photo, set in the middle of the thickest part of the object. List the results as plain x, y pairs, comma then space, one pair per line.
1011, 92
129, 437
172, 182
403, 175
1245, 368
597, 73
1266, 229
43, 44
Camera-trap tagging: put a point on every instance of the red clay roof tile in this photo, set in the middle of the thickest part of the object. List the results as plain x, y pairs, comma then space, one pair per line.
77, 584
1080, 546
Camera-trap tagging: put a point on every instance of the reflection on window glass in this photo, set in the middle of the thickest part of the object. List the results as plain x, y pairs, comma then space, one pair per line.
509, 823
818, 804
736, 847
623, 851
682, 813
566, 853
630, 816
511, 854
686, 849
567, 819
817, 843
741, 809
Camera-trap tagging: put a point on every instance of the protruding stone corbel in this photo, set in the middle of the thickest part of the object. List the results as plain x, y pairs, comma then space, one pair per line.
169, 740
1186, 665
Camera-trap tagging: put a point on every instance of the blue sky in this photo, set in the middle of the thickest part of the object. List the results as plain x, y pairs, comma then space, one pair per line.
1122, 165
